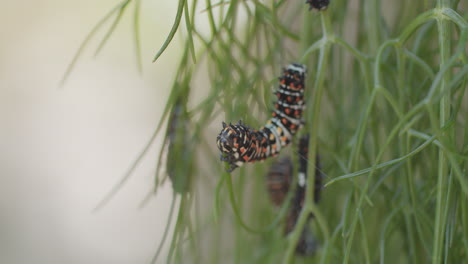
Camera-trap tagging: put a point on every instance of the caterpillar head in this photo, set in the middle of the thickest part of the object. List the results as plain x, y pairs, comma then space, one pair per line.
233, 137
225, 138
229, 138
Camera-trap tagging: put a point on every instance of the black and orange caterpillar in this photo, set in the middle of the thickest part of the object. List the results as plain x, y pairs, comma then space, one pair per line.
240, 144
279, 179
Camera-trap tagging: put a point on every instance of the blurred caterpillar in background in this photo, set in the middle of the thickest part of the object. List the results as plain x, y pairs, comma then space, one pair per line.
240, 144
279, 179
318, 4
180, 147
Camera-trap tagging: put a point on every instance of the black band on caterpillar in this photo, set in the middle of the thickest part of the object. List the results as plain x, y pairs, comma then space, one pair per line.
318, 4
240, 144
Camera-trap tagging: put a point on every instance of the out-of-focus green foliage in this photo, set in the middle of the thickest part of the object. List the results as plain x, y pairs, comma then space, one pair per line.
386, 110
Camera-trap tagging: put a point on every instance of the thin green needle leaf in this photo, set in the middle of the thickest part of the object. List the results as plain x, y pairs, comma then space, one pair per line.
217, 200
269, 228
112, 28
166, 229
210, 7
314, 47
387, 223
382, 165
136, 35
178, 229
175, 26
127, 174
147, 198
420, 62
189, 32
159, 163
88, 38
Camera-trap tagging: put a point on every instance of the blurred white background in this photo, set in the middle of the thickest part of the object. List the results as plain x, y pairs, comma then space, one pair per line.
63, 148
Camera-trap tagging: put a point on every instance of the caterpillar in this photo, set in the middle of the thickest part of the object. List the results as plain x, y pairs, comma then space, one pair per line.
318, 4
180, 148
279, 179
240, 144
303, 165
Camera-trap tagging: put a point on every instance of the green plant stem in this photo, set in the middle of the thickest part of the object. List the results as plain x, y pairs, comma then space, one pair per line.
372, 12
312, 123
444, 112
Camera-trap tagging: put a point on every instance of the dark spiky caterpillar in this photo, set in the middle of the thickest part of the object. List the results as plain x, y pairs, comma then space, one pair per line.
318, 4
240, 144
279, 179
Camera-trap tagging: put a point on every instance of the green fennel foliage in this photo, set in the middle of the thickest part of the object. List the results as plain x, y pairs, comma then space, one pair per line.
386, 111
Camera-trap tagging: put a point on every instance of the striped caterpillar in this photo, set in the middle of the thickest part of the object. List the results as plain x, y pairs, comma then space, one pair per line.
240, 144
